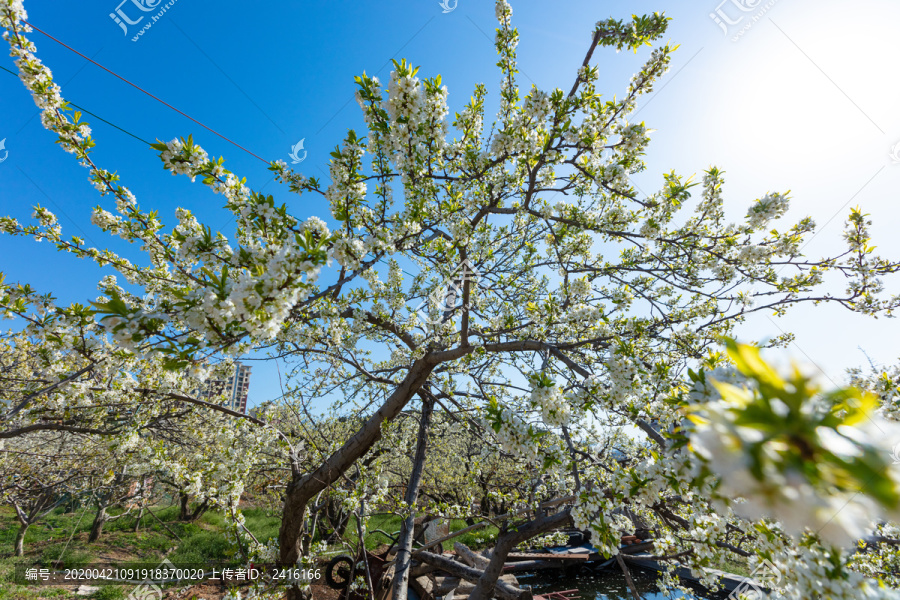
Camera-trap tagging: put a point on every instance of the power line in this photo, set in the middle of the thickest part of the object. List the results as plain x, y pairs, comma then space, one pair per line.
145, 92
84, 110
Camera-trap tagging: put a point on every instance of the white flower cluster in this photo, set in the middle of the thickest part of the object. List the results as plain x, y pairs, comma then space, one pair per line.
525, 131
658, 63
554, 406
752, 255
47, 220
651, 229
72, 136
348, 252
183, 159
813, 571
503, 12
417, 117
593, 512
515, 436
884, 382
766, 209
634, 137
346, 190
550, 540
624, 374
537, 106
633, 490
579, 288
316, 226
585, 314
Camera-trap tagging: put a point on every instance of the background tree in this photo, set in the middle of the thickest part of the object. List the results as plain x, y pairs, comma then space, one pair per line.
37, 473
114, 483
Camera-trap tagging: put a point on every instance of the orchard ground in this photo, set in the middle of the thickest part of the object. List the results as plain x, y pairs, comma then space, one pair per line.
201, 541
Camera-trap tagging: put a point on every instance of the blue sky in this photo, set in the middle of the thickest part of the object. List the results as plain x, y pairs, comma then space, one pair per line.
804, 100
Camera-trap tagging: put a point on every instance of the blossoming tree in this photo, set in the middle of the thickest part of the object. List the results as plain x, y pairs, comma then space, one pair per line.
548, 297
35, 472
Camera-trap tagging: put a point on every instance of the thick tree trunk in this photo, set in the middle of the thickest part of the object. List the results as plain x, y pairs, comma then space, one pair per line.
184, 514
304, 488
99, 521
485, 503
198, 512
400, 584
507, 541
20, 539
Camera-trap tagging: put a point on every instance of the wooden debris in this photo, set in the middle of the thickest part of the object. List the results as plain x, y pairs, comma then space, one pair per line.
421, 569
534, 565
424, 586
471, 558
383, 585
568, 556
445, 585
563, 595
502, 589
637, 548
454, 575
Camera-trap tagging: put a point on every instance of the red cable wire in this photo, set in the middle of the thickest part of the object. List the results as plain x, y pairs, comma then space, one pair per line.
146, 92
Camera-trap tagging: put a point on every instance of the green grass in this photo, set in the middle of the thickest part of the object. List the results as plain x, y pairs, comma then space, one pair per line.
735, 565
49, 541
264, 525
200, 549
63, 535
477, 539
68, 556
110, 592
386, 522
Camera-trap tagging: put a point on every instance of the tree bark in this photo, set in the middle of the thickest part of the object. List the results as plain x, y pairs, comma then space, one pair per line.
20, 539
184, 514
99, 521
472, 558
400, 583
304, 488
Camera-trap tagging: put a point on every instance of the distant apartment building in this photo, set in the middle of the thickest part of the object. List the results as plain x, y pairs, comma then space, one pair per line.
235, 388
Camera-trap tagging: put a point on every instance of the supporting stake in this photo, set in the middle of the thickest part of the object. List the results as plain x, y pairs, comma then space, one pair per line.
164, 525
628, 580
